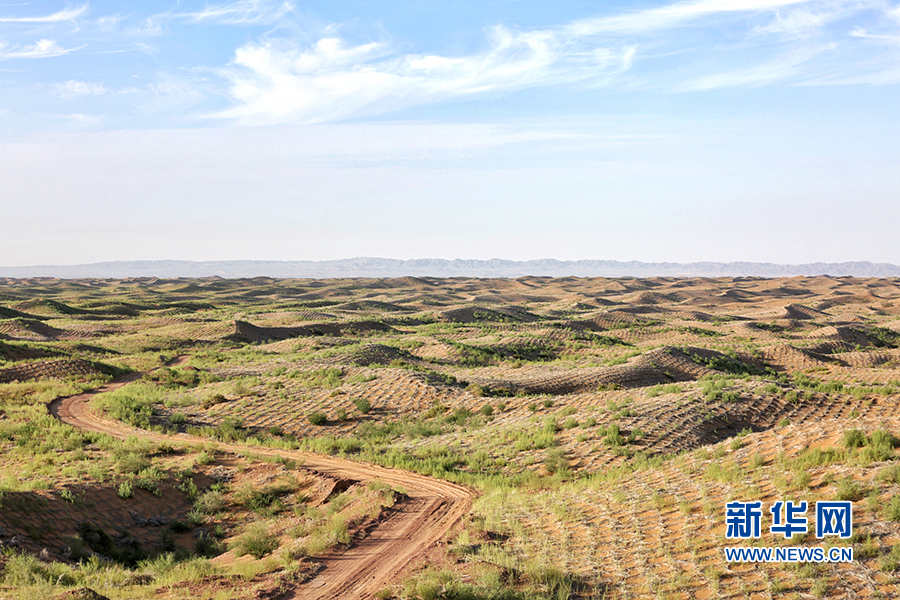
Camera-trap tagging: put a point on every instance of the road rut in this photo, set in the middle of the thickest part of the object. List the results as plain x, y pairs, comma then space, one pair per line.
368, 565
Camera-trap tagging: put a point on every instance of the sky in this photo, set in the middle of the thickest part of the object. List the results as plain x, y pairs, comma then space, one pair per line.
699, 130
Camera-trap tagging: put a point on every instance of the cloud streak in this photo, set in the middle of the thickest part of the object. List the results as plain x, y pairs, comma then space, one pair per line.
673, 15
68, 14
759, 75
300, 70
40, 49
74, 89
242, 12
278, 80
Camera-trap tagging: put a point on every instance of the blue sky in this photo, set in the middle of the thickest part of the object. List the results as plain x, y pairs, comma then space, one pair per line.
762, 130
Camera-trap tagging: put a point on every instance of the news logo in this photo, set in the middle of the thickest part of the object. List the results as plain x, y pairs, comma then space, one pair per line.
788, 518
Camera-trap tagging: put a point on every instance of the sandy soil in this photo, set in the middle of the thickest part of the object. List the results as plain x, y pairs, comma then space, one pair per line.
367, 566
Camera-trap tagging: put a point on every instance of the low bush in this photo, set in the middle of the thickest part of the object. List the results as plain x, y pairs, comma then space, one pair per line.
317, 418
125, 490
256, 541
362, 405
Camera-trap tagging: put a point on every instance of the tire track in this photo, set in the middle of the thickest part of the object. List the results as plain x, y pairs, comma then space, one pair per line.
369, 564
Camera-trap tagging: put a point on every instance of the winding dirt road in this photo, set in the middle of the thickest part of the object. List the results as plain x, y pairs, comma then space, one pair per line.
368, 565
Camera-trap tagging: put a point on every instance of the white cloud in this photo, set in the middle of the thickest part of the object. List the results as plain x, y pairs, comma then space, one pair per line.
666, 17
859, 32
800, 22
170, 93
109, 22
890, 34
68, 14
277, 82
40, 49
241, 12
770, 72
83, 121
149, 26
74, 89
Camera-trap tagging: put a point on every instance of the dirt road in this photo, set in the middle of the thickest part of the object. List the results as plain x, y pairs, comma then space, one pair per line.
371, 563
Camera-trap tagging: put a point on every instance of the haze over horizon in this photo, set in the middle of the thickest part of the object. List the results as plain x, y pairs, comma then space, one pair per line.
373, 267
695, 130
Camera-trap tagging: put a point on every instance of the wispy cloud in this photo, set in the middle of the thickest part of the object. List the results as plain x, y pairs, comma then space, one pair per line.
74, 89
242, 12
895, 13
109, 22
672, 15
276, 81
68, 14
40, 49
82, 120
239, 13
859, 32
889, 32
759, 75
305, 71
279, 80
807, 21
169, 93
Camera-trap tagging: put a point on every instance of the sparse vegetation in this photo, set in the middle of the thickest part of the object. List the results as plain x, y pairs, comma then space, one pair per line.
601, 456
257, 541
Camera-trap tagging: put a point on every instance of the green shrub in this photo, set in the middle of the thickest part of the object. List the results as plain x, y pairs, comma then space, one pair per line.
195, 517
854, 438
207, 545
477, 390
256, 541
125, 490
317, 418
883, 437
131, 462
892, 509
211, 502
613, 437
847, 489
362, 405
325, 378
23, 570
231, 429
131, 404
890, 561
177, 526
890, 474
189, 488
212, 400
555, 460
729, 396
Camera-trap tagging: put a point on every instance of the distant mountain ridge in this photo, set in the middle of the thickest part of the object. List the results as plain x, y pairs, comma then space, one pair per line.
438, 267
